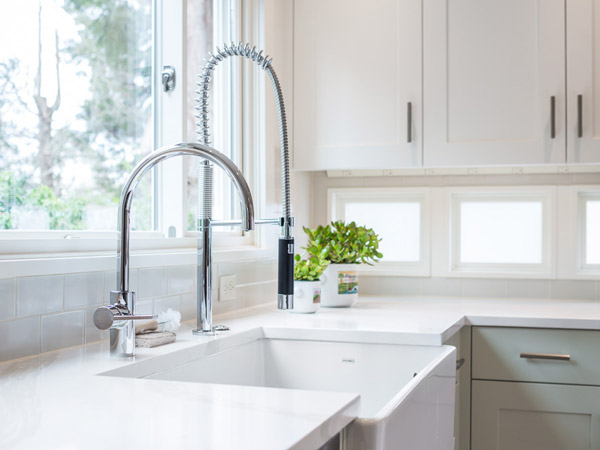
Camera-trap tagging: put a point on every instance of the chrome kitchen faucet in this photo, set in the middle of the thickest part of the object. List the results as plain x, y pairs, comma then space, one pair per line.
120, 315
285, 285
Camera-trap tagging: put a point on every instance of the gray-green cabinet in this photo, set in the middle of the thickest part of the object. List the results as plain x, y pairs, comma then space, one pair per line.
535, 389
534, 416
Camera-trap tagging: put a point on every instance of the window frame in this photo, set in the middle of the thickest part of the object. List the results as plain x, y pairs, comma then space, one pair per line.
583, 196
80, 251
448, 263
338, 197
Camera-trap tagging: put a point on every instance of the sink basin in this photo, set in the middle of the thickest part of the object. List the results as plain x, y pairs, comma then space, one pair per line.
407, 391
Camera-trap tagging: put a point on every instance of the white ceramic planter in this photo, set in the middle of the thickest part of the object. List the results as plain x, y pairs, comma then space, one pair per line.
307, 296
340, 285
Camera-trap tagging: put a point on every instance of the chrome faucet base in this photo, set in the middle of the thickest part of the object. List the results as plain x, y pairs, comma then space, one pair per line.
200, 332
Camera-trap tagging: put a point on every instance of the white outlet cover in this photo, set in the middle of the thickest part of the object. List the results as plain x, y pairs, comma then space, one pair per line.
227, 288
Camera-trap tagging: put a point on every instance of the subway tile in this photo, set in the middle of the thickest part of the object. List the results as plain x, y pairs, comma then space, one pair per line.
144, 307
62, 330
163, 304
572, 289
188, 306
180, 279
379, 285
7, 299
247, 272
440, 286
19, 338
83, 289
258, 293
93, 334
38, 295
528, 288
152, 282
482, 287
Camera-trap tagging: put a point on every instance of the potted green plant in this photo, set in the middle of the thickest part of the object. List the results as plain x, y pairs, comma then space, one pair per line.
344, 245
307, 284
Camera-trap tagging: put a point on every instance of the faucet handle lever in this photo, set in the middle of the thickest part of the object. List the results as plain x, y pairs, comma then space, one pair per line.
106, 316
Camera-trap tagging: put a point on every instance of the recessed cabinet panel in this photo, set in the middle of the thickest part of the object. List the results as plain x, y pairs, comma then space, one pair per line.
530, 416
356, 69
583, 80
494, 86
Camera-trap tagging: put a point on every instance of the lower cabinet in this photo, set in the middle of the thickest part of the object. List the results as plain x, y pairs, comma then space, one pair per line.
534, 416
535, 389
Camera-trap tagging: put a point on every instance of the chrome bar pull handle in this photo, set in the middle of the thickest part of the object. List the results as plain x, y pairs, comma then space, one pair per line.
580, 116
548, 356
409, 122
552, 117
459, 363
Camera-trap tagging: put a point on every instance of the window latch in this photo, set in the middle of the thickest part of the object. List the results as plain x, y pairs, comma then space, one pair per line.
168, 78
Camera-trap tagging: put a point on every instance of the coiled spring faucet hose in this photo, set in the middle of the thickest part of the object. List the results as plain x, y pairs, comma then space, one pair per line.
286, 241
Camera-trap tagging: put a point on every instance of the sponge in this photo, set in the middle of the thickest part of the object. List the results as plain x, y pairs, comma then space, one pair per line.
154, 339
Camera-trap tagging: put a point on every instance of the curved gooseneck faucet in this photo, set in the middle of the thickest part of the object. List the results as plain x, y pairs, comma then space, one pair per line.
285, 297
120, 314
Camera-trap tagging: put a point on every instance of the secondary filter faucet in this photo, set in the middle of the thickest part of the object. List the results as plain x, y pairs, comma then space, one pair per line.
285, 296
120, 315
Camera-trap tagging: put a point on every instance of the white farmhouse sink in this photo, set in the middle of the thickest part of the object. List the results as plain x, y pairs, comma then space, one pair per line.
407, 391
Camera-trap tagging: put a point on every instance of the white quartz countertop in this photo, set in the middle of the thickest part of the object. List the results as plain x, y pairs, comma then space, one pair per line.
57, 400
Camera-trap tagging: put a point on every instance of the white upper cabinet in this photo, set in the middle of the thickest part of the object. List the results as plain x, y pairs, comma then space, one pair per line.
494, 82
357, 68
583, 81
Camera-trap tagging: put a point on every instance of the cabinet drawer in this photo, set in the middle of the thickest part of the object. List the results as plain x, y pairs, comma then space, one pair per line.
500, 354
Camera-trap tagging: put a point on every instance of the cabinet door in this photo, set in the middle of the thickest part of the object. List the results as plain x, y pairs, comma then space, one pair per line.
491, 69
583, 82
357, 66
531, 416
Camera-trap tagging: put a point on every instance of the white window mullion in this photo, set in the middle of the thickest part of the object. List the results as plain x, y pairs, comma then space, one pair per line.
170, 113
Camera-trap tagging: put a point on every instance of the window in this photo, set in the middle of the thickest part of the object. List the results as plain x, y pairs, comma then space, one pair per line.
589, 204
106, 58
399, 216
222, 24
76, 112
502, 231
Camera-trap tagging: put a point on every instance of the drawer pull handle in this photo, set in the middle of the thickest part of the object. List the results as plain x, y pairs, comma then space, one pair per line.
459, 363
580, 116
552, 117
551, 356
409, 122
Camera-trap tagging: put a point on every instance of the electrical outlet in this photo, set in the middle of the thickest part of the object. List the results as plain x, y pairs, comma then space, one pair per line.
227, 288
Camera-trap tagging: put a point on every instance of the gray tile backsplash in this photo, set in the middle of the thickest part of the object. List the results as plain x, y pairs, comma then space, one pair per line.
7, 299
152, 282
62, 330
481, 287
574, 289
180, 279
45, 313
38, 295
163, 304
83, 289
20, 337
